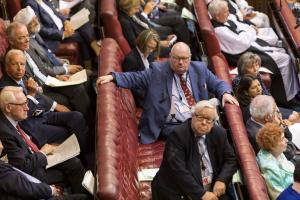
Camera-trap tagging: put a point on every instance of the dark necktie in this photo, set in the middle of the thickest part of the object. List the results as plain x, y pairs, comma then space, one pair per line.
189, 97
28, 141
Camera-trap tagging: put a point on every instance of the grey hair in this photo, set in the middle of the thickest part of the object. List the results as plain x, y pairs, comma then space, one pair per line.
261, 106
7, 95
10, 31
204, 104
215, 7
12, 52
246, 60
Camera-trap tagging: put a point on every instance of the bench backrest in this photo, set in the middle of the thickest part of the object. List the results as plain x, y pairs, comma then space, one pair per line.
255, 184
117, 133
112, 27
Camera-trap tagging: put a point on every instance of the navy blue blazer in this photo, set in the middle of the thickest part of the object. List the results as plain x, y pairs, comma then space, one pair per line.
179, 176
157, 82
15, 185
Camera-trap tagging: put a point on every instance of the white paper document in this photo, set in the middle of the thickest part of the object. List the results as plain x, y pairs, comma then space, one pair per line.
80, 18
75, 79
186, 14
64, 4
89, 182
65, 151
147, 174
295, 130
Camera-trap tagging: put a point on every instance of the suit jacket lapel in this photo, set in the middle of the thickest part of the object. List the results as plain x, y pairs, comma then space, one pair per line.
169, 78
138, 59
211, 150
196, 170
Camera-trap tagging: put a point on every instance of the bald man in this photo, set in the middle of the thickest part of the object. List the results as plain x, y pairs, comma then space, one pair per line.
171, 87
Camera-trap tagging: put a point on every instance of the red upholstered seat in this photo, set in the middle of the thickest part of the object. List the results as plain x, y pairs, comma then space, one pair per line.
3, 44
68, 50
112, 27
119, 154
255, 184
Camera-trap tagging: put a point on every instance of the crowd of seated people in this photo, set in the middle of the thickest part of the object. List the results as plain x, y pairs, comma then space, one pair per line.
36, 117
236, 38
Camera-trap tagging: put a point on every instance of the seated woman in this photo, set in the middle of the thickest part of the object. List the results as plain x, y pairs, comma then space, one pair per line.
133, 23
141, 56
275, 168
248, 88
249, 64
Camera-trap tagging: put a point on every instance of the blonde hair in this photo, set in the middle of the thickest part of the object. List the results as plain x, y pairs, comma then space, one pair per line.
126, 5
7, 95
144, 37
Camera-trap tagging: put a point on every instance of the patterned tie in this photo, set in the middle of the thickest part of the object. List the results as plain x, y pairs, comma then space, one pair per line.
189, 97
28, 141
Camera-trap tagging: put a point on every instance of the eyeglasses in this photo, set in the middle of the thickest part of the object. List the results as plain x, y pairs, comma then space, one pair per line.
202, 119
20, 104
178, 58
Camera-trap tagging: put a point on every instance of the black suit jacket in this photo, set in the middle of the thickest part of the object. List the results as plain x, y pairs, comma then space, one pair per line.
18, 152
15, 185
180, 174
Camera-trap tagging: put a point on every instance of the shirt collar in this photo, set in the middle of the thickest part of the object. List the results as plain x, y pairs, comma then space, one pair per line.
11, 120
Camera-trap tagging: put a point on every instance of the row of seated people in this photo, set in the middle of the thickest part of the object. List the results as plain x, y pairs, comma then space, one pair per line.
236, 38
30, 129
248, 88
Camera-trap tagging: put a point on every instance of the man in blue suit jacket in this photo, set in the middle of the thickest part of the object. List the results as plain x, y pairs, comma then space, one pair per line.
165, 103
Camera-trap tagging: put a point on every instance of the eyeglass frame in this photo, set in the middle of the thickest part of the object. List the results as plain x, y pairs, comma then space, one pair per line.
202, 118
20, 104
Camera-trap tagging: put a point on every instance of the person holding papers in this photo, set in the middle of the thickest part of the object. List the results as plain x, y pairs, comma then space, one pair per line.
17, 185
24, 154
76, 97
56, 29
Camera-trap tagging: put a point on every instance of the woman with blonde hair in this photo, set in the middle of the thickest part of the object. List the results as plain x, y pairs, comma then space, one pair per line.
275, 168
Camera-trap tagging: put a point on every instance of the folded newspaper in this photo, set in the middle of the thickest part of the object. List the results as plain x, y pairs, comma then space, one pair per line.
186, 14
80, 18
65, 151
68, 5
75, 79
89, 182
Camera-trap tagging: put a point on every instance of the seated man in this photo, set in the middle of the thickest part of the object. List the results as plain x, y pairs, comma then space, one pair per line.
27, 17
24, 154
74, 96
293, 191
56, 29
47, 126
198, 161
18, 185
263, 109
172, 87
236, 38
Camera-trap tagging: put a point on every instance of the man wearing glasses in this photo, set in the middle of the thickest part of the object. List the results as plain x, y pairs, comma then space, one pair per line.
171, 88
198, 161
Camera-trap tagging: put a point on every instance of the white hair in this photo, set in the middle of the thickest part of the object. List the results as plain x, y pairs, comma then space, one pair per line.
204, 104
215, 7
261, 106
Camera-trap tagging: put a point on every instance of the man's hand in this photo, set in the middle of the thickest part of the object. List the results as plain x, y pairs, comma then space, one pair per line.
48, 148
62, 77
32, 87
56, 192
229, 98
65, 12
61, 108
219, 188
209, 196
294, 117
150, 5
68, 29
104, 79
72, 69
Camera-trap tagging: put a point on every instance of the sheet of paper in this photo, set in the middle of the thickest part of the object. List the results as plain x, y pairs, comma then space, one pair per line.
168, 1
65, 151
75, 79
186, 14
295, 130
89, 182
147, 174
80, 18
64, 4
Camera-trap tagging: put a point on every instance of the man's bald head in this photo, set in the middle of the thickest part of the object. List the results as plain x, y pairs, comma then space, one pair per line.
180, 58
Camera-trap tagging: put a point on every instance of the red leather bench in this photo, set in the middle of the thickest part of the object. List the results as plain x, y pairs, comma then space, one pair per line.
3, 45
118, 153
112, 27
254, 182
69, 50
